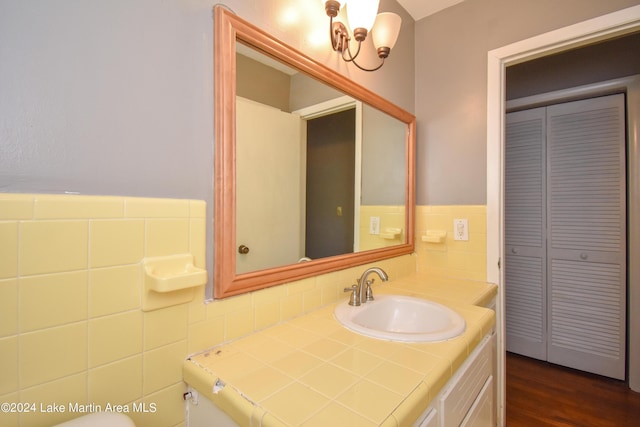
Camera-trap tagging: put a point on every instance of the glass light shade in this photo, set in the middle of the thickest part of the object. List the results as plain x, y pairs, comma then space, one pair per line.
362, 13
386, 30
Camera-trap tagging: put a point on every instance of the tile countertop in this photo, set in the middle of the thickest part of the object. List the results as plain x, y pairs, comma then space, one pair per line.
312, 371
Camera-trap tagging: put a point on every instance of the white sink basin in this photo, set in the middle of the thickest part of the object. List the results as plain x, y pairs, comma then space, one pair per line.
401, 318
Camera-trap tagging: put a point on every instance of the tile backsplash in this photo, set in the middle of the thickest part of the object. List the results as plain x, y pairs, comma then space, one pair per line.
72, 332
389, 217
452, 258
72, 335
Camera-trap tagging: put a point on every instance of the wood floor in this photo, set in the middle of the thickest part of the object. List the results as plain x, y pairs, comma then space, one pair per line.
542, 394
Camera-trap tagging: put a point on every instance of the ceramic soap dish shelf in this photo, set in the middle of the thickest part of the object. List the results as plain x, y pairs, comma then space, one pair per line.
434, 236
170, 280
391, 233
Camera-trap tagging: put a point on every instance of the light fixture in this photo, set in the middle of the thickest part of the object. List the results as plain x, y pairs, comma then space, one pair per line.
363, 17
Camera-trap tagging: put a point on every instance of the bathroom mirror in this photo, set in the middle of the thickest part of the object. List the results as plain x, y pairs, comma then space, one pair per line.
267, 194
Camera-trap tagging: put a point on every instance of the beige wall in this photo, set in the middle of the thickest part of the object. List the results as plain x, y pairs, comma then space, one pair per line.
451, 83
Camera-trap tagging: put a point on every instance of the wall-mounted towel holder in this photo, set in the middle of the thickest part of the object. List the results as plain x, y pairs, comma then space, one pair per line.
170, 280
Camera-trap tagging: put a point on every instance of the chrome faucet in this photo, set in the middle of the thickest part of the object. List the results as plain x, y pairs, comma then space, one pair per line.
361, 292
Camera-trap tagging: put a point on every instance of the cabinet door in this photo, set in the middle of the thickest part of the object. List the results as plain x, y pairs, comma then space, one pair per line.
481, 413
467, 383
525, 241
431, 420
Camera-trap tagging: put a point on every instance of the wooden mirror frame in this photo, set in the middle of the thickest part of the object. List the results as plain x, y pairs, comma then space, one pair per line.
229, 29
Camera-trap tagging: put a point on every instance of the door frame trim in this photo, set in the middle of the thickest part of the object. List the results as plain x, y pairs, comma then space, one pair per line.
599, 28
577, 93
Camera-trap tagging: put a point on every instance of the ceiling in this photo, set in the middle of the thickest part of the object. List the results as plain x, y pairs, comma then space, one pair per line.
418, 9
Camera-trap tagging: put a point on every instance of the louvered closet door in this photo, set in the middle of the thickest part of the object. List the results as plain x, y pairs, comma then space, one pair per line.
586, 235
525, 243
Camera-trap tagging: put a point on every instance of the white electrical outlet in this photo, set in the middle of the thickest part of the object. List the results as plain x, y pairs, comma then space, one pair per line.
460, 229
374, 225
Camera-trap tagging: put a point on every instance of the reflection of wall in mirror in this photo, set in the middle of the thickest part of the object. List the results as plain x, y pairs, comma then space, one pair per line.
391, 217
306, 92
383, 179
261, 83
383, 154
288, 91
384, 168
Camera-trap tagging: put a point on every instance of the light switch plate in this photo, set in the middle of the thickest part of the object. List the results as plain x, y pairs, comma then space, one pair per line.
461, 229
374, 225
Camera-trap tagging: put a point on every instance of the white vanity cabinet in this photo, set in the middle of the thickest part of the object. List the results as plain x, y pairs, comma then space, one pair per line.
468, 399
481, 413
428, 419
471, 383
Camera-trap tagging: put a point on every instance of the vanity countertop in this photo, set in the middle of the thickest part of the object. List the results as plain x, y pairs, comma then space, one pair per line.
312, 371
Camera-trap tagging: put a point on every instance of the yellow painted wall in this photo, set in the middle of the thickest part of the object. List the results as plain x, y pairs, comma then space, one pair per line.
71, 326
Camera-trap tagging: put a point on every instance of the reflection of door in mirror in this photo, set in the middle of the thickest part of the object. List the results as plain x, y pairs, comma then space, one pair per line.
330, 185
270, 208
343, 191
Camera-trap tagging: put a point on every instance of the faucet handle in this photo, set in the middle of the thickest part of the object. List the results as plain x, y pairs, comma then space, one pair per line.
369, 292
354, 298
